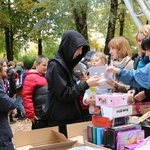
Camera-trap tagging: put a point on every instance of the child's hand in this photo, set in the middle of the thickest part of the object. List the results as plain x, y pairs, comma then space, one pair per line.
33, 119
90, 101
131, 92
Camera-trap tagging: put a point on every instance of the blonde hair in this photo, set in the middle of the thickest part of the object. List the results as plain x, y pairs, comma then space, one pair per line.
11, 63
122, 45
145, 31
101, 56
20, 64
39, 59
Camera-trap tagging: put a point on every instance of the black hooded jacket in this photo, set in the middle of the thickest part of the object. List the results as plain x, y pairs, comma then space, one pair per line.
63, 105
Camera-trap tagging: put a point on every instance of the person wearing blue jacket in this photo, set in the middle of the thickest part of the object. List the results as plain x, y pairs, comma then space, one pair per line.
135, 78
7, 104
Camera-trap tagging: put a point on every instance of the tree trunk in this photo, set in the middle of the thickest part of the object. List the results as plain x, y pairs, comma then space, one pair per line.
111, 24
122, 21
81, 20
9, 44
39, 46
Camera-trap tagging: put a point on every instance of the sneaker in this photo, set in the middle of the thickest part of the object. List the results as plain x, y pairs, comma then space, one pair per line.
17, 115
12, 122
22, 118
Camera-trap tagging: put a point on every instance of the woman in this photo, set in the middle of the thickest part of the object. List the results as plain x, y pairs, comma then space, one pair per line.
136, 78
121, 57
140, 62
7, 104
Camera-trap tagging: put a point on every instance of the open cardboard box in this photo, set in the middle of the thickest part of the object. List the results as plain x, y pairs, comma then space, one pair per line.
42, 139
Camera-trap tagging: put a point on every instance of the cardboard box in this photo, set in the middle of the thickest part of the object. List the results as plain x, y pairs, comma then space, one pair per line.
75, 132
113, 99
129, 137
117, 112
141, 108
42, 139
101, 121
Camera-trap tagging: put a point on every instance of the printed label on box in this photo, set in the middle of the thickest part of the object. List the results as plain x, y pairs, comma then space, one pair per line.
114, 99
116, 112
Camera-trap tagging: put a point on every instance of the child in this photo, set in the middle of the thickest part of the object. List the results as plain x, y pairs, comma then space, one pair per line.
7, 104
97, 59
35, 90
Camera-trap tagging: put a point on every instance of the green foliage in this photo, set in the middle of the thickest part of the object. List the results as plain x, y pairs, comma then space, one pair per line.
49, 19
28, 60
50, 47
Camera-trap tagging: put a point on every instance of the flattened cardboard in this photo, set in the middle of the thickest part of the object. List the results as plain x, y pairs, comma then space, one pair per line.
42, 139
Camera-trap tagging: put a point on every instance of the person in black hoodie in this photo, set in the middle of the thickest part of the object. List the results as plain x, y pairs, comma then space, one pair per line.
63, 106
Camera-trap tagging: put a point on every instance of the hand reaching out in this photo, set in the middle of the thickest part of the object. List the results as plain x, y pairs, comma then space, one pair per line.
112, 69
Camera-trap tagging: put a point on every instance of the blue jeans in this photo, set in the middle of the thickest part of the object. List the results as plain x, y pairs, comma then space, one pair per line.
20, 105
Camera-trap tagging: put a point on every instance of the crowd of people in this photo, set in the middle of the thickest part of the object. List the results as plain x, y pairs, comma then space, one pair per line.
54, 93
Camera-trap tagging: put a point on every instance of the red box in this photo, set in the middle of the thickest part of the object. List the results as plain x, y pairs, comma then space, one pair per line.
101, 121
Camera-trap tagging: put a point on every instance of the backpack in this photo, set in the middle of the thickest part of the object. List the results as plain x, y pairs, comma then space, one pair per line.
20, 80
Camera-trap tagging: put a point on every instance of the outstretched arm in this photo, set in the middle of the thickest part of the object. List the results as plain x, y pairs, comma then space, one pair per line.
135, 78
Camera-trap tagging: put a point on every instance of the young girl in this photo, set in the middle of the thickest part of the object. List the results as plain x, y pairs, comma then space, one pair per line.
7, 104
35, 92
97, 59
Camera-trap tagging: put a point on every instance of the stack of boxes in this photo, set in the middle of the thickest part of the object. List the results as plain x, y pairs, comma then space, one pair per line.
115, 105
102, 131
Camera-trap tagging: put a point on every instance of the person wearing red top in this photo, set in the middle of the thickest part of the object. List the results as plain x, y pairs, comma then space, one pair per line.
35, 92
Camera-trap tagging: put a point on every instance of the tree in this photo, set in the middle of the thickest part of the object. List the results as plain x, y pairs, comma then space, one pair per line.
111, 24
16, 23
79, 10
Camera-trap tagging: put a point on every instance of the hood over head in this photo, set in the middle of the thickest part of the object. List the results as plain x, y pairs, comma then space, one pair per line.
70, 42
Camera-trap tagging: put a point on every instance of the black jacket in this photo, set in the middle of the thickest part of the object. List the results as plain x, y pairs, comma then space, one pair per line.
63, 105
12, 82
147, 91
